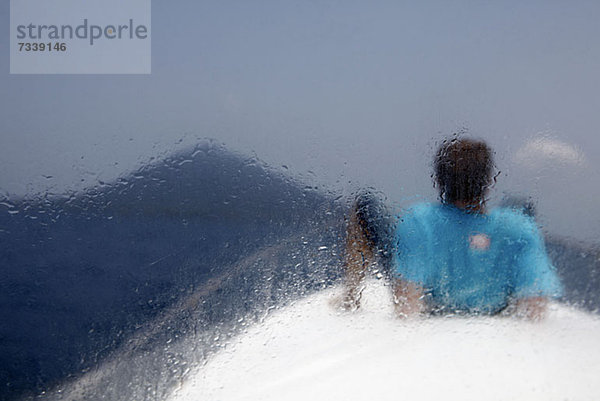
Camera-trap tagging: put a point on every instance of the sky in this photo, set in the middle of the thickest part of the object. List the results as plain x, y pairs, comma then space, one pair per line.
345, 94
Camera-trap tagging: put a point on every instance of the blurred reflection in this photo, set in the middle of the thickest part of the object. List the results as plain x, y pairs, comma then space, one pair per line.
546, 150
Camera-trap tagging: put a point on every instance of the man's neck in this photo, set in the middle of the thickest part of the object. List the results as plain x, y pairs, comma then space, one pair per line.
470, 206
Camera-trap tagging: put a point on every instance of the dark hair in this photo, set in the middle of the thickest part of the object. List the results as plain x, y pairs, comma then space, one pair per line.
377, 226
371, 215
463, 170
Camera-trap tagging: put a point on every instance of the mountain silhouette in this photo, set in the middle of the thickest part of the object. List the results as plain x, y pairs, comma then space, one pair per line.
83, 273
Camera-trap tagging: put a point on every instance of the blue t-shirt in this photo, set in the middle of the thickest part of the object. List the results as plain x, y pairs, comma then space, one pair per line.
471, 261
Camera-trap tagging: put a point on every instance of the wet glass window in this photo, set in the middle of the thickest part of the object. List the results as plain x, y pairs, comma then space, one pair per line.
281, 208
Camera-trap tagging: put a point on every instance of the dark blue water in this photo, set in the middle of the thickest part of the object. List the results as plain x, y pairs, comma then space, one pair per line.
82, 274
112, 287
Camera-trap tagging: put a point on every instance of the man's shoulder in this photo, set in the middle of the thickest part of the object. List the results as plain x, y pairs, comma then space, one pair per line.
513, 222
511, 216
421, 210
420, 219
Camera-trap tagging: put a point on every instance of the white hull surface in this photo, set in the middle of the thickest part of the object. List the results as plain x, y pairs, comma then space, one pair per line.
310, 351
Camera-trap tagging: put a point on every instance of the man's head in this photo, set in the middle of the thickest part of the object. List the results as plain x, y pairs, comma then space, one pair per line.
463, 171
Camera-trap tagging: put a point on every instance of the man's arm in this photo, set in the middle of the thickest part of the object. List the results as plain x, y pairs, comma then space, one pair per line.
408, 298
536, 281
533, 308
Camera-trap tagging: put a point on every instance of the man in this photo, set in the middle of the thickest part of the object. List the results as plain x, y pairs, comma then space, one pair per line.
456, 256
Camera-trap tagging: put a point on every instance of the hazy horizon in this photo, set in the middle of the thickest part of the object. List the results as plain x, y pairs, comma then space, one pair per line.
344, 94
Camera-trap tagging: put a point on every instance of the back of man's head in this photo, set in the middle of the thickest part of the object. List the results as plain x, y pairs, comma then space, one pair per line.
463, 171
